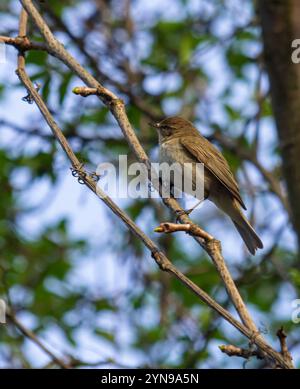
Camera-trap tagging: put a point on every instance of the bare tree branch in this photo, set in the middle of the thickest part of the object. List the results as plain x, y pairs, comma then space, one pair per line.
232, 350
284, 348
191, 229
22, 43
32, 336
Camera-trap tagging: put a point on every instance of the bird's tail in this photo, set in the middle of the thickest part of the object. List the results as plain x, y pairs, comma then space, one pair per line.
248, 234
233, 209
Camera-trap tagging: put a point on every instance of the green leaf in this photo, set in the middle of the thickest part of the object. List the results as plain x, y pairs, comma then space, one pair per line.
105, 334
37, 57
46, 87
67, 77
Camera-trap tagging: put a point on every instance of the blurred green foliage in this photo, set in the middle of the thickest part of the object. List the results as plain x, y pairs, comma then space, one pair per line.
166, 61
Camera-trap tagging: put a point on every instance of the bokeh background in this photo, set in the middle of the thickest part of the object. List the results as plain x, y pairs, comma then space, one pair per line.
72, 273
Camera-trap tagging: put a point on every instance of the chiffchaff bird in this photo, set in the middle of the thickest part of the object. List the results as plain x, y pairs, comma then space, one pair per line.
180, 141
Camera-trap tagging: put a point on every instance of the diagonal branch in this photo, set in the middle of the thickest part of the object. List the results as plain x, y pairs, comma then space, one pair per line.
32, 336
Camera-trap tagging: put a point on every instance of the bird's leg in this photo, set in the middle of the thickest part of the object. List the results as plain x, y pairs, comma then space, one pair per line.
81, 173
187, 212
171, 187
172, 191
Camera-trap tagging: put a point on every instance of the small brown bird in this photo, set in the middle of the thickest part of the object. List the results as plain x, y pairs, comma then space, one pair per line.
180, 141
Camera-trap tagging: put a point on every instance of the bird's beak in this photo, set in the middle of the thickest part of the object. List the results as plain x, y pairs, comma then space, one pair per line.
154, 125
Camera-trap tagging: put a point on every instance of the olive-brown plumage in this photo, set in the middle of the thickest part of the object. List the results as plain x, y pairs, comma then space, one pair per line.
181, 142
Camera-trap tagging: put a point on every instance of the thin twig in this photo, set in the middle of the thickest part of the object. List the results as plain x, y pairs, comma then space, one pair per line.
85, 91
22, 43
232, 350
31, 335
191, 229
284, 348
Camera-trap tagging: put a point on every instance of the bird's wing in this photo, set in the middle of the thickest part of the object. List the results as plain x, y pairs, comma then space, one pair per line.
213, 160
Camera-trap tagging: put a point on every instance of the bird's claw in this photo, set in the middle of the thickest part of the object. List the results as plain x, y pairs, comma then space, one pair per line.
81, 174
181, 212
94, 176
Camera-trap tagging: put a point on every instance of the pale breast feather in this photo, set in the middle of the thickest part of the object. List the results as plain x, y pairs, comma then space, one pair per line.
174, 154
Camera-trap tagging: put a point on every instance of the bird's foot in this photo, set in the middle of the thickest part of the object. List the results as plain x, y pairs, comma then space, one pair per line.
187, 212
81, 174
181, 212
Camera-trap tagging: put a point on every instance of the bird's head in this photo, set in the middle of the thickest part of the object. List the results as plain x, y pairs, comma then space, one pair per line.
174, 126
